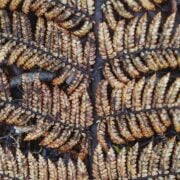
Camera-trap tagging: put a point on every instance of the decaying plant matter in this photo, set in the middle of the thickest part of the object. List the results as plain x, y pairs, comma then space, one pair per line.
155, 91
47, 49
139, 96
154, 161
127, 8
56, 50
94, 83
139, 109
62, 12
138, 48
61, 119
21, 166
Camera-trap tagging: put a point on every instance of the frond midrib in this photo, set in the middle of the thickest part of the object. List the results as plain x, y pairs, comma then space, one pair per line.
144, 50
16, 104
33, 45
130, 111
90, 17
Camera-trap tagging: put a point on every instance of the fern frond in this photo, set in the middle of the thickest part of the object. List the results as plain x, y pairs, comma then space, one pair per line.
62, 169
139, 162
138, 109
109, 15
139, 47
154, 91
136, 125
66, 14
86, 6
121, 164
20, 166
99, 168
60, 119
101, 135
105, 44
50, 48
132, 162
128, 8
167, 155
111, 164
73, 84
82, 173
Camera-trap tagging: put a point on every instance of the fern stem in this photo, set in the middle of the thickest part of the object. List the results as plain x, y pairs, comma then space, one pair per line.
49, 118
32, 45
129, 111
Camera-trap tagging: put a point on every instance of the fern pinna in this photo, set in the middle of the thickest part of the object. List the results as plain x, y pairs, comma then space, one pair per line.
56, 51
127, 9
63, 12
140, 95
17, 165
48, 49
139, 47
94, 82
62, 120
138, 109
153, 161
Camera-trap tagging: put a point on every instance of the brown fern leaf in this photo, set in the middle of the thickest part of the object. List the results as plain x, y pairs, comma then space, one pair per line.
50, 47
152, 161
105, 43
111, 164
61, 119
99, 169
45, 5
154, 91
21, 166
67, 14
128, 8
70, 83
139, 47
138, 109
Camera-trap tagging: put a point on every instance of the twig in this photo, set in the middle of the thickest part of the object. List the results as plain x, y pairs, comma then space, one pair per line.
173, 6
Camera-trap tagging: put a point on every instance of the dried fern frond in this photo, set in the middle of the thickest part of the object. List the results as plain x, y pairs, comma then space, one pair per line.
105, 44
46, 5
23, 166
140, 34
126, 128
138, 109
108, 12
50, 47
66, 14
139, 47
84, 5
155, 160
154, 91
128, 8
72, 83
60, 119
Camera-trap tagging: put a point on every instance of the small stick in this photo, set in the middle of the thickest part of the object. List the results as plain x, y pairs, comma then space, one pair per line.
43, 76
173, 6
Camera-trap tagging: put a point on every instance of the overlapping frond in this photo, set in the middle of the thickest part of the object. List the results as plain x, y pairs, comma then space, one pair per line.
50, 96
155, 160
21, 166
155, 91
138, 109
139, 47
50, 48
72, 15
61, 120
128, 8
